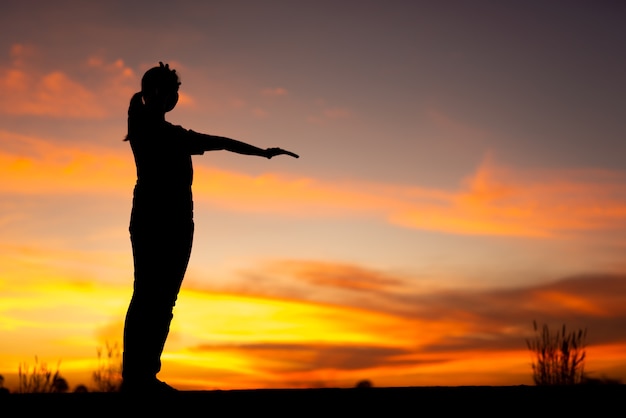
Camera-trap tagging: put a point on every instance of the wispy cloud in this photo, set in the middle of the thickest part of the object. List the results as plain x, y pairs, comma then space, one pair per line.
328, 114
336, 275
274, 92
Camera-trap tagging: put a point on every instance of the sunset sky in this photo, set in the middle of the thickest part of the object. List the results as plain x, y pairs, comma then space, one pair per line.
462, 173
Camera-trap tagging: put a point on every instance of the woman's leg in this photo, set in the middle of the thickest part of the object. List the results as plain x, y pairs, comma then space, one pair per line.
161, 256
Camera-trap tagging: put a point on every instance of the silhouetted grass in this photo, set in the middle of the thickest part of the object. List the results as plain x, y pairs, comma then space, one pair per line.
108, 375
40, 379
559, 358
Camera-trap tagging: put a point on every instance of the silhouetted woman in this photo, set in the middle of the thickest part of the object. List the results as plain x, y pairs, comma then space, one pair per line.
161, 223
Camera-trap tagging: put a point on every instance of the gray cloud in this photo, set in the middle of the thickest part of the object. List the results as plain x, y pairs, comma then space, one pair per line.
324, 356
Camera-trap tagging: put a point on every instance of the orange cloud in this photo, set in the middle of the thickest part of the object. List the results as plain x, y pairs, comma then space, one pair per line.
559, 301
282, 194
28, 90
495, 200
500, 201
52, 94
39, 167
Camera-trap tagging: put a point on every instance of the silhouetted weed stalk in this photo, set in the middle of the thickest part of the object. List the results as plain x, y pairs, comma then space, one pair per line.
38, 379
559, 358
108, 375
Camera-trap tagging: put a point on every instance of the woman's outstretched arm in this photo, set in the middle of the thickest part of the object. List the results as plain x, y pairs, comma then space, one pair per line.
216, 143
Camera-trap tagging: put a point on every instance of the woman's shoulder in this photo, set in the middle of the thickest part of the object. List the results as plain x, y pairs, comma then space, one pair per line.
176, 129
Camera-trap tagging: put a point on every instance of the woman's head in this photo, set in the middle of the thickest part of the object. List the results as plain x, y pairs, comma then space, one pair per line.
159, 87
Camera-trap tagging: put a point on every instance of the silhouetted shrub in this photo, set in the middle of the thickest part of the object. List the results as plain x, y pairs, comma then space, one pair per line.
3, 390
59, 385
558, 358
364, 384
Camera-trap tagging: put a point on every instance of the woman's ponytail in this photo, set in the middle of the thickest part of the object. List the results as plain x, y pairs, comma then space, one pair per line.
134, 111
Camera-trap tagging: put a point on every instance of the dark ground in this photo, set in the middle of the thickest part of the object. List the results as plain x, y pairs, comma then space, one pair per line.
530, 401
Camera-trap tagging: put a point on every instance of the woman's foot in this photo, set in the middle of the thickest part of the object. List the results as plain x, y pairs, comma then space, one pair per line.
153, 385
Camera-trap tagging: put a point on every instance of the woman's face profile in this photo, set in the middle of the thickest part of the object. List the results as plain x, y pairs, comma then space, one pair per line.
170, 100
164, 98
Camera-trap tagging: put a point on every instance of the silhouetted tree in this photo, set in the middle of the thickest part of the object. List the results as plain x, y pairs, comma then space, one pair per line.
558, 358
